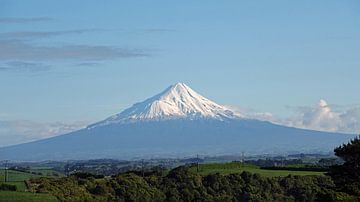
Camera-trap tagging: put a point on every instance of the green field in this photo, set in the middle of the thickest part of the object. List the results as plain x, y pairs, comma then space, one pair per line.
229, 168
17, 178
15, 196
46, 172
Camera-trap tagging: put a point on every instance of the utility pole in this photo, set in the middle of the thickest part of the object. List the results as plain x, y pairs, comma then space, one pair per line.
6, 174
197, 162
142, 167
242, 159
67, 169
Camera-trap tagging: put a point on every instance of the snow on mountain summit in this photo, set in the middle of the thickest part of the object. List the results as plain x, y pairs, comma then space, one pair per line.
176, 102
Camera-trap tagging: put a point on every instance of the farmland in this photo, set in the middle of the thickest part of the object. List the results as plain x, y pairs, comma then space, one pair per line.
18, 179
236, 167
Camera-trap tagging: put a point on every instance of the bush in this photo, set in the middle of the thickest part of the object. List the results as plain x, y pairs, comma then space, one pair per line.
7, 187
82, 175
98, 190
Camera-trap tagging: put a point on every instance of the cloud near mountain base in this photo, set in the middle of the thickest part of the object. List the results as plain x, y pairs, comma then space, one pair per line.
319, 117
20, 131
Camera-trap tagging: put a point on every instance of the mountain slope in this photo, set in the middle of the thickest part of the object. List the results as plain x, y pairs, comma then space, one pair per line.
177, 122
172, 138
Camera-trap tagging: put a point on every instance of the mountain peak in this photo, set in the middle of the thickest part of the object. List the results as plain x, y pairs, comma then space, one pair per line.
178, 101
179, 85
323, 103
177, 90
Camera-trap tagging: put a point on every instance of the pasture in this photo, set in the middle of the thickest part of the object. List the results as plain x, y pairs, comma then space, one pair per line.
236, 167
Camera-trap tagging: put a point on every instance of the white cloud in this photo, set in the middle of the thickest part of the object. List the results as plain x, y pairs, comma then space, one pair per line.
252, 114
319, 117
350, 120
20, 131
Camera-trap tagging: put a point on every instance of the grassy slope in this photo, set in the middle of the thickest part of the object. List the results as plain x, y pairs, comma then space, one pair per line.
17, 178
47, 172
229, 168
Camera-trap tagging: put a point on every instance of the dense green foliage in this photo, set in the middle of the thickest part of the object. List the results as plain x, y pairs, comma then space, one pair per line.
347, 175
183, 184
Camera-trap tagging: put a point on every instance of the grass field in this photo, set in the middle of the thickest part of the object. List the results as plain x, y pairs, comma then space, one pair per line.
46, 172
17, 178
229, 168
15, 196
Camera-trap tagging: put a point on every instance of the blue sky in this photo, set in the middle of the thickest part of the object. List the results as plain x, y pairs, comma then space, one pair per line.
81, 61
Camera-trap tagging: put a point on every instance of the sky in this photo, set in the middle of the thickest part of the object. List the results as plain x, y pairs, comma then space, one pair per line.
65, 64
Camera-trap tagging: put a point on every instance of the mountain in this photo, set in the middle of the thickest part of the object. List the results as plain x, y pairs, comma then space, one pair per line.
176, 102
177, 122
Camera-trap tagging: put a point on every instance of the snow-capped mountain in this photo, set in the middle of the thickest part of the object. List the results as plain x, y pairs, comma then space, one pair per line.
178, 101
175, 123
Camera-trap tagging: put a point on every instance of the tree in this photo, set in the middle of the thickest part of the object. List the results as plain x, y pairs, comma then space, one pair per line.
347, 176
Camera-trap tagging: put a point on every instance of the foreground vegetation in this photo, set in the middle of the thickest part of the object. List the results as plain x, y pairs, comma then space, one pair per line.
215, 182
207, 182
182, 184
68, 189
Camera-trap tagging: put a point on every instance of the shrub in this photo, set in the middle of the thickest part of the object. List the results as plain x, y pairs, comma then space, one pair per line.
8, 187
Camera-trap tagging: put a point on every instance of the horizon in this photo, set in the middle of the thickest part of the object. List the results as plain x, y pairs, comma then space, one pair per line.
293, 64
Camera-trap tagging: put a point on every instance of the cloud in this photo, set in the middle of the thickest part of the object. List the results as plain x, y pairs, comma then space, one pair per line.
320, 117
19, 50
42, 34
20, 131
88, 64
24, 20
20, 66
157, 30
20, 46
350, 120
